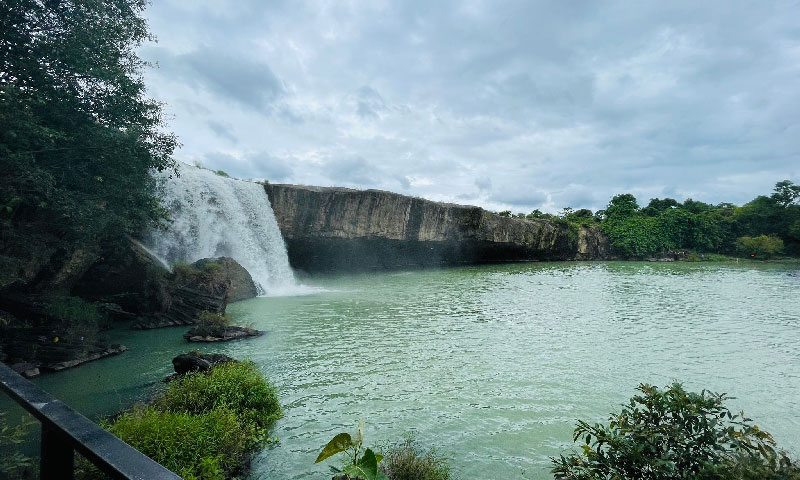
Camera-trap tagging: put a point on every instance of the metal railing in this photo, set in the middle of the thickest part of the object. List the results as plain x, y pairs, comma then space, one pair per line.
65, 431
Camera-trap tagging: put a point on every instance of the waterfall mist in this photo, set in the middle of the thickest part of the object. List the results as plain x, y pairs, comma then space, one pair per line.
215, 216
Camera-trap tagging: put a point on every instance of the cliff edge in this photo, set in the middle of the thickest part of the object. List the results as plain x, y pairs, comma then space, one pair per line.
333, 228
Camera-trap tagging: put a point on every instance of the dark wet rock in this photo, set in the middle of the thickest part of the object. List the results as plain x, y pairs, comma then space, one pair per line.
241, 285
25, 369
198, 362
221, 334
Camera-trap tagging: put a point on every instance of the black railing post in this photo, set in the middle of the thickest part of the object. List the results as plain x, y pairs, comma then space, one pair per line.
65, 432
58, 457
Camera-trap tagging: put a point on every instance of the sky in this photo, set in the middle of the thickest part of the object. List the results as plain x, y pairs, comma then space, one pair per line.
504, 105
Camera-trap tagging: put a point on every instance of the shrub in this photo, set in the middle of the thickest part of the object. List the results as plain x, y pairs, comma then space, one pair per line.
193, 446
209, 322
13, 464
406, 461
674, 434
759, 247
222, 173
74, 310
237, 386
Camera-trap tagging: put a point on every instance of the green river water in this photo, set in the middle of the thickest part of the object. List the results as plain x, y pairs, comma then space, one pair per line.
490, 364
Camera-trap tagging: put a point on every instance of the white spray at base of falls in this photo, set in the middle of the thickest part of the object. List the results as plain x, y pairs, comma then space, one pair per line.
215, 216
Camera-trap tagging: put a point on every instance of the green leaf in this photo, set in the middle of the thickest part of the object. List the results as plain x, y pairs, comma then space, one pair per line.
338, 444
378, 457
367, 467
369, 463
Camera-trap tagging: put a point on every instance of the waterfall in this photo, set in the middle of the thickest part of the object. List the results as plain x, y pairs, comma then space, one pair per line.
214, 216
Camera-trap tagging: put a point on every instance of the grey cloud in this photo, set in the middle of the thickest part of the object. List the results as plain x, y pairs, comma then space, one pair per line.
564, 103
248, 82
256, 165
222, 130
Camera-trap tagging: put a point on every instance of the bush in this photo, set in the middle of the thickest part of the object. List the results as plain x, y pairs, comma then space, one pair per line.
193, 446
674, 434
759, 247
74, 310
209, 322
205, 424
406, 461
238, 386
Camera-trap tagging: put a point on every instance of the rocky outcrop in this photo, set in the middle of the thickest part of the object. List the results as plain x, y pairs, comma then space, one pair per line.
240, 283
345, 229
198, 362
134, 284
224, 334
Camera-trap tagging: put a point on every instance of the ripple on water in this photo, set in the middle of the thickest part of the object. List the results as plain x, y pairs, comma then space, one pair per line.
492, 364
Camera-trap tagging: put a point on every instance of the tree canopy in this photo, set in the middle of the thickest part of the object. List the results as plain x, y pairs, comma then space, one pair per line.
78, 136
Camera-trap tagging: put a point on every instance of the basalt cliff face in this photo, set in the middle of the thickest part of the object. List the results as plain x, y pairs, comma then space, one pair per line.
331, 228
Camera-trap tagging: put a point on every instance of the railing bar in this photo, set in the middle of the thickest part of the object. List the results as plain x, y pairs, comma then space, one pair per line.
107, 452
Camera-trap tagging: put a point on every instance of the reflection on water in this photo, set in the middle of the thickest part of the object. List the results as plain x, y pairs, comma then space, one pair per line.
494, 363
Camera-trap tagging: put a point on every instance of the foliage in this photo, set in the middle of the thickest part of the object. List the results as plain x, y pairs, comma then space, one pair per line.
666, 225
192, 445
206, 423
362, 466
237, 386
74, 310
78, 137
209, 323
674, 434
222, 173
505, 213
406, 461
762, 246
82, 320
636, 236
786, 193
14, 464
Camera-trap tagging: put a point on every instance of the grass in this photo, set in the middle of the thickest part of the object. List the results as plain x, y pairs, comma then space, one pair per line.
407, 461
194, 446
206, 424
236, 386
209, 323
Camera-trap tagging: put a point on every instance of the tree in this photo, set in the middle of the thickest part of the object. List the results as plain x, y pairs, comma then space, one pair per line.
78, 137
673, 434
621, 206
786, 193
762, 246
657, 205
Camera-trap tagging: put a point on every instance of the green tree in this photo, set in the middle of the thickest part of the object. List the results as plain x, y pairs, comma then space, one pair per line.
673, 434
78, 137
786, 193
621, 206
762, 246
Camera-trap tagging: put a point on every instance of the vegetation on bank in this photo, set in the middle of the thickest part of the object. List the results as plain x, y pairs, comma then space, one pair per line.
206, 424
762, 228
674, 434
403, 461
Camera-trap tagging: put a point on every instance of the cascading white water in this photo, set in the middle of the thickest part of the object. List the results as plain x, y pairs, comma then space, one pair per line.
214, 216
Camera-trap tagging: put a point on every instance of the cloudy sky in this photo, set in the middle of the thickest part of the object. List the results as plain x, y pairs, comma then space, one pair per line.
506, 105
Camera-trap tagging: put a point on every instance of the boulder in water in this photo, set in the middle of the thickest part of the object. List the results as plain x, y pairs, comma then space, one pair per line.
198, 362
240, 283
221, 335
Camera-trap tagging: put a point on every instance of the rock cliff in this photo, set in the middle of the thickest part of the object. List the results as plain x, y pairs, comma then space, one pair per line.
330, 228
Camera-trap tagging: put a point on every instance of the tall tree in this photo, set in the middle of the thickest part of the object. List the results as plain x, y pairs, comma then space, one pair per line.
78, 136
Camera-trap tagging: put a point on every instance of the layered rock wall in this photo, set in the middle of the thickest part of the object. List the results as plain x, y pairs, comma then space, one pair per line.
328, 228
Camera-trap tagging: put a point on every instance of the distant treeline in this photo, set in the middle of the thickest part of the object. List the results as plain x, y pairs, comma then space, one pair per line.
763, 227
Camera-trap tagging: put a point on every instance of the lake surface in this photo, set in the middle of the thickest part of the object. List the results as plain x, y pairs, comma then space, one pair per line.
490, 364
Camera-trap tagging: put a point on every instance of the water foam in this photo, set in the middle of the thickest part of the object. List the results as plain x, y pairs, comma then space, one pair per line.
214, 216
